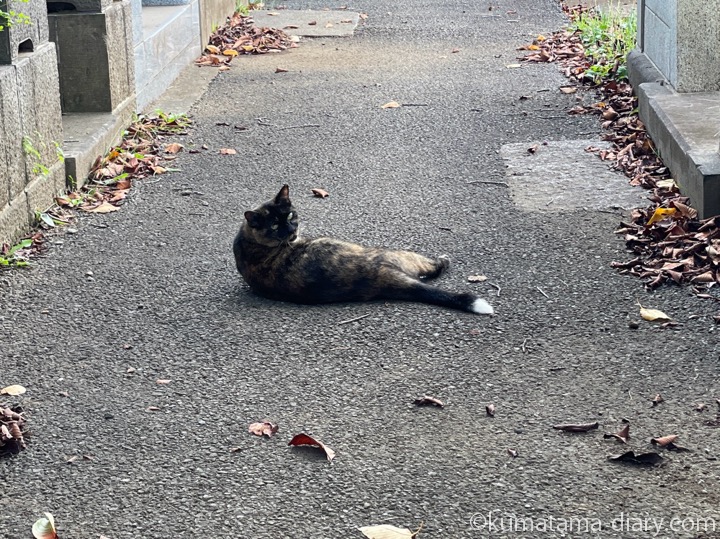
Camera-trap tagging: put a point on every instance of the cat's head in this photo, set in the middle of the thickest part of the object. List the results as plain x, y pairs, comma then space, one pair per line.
275, 222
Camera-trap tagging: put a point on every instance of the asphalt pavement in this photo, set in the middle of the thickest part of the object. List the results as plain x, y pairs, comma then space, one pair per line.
151, 293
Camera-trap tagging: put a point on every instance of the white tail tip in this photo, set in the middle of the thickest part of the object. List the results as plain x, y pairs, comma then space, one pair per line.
480, 306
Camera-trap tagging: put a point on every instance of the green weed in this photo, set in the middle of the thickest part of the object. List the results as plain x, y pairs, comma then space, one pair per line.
608, 36
14, 256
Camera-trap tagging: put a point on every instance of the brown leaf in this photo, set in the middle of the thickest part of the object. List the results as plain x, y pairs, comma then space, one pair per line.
280, 70
173, 147
623, 435
312, 23
664, 440
512, 452
490, 410
577, 427
533, 148
391, 105
104, 207
568, 89
657, 399
454, 51
320, 193
263, 429
304, 439
228, 151
429, 401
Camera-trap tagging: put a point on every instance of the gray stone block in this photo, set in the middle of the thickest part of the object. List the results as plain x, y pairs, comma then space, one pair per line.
40, 193
14, 221
21, 36
94, 58
92, 6
137, 21
698, 36
12, 165
40, 116
172, 41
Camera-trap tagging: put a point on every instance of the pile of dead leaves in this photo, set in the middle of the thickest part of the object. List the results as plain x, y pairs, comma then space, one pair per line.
671, 245
12, 429
241, 36
140, 154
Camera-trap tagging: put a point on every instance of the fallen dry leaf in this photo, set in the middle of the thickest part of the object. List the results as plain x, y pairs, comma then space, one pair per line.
312, 23
477, 278
513, 66
44, 527
512, 452
320, 193
329, 25
657, 399
653, 315
455, 51
304, 439
429, 401
264, 428
280, 70
661, 213
568, 89
577, 427
391, 105
230, 52
623, 435
228, 151
387, 531
173, 147
212, 49
533, 148
162, 381
13, 390
662, 441
105, 207
490, 410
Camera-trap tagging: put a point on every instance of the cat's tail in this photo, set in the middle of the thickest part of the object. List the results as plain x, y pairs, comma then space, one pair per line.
423, 293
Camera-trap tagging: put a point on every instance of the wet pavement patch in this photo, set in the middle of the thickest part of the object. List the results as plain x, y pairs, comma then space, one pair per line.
553, 176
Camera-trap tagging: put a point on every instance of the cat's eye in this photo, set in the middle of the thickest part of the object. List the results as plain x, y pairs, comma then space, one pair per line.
274, 226
290, 216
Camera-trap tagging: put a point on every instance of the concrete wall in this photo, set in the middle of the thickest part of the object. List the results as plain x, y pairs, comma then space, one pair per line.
29, 114
681, 37
213, 13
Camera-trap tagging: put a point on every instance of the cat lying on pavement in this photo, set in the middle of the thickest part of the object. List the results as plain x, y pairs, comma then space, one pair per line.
279, 264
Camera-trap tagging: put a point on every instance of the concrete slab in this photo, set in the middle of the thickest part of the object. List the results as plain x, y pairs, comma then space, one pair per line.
686, 131
88, 135
338, 23
561, 175
187, 89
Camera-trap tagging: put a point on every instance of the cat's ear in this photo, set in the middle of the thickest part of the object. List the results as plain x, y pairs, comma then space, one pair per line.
254, 219
283, 197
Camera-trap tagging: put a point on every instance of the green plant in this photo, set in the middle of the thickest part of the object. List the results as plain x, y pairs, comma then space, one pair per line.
607, 35
241, 7
14, 256
9, 18
31, 151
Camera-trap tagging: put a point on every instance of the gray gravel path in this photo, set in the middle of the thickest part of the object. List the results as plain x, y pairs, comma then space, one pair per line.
165, 302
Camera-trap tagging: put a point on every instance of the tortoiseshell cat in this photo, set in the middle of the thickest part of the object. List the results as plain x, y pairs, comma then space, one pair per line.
279, 264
